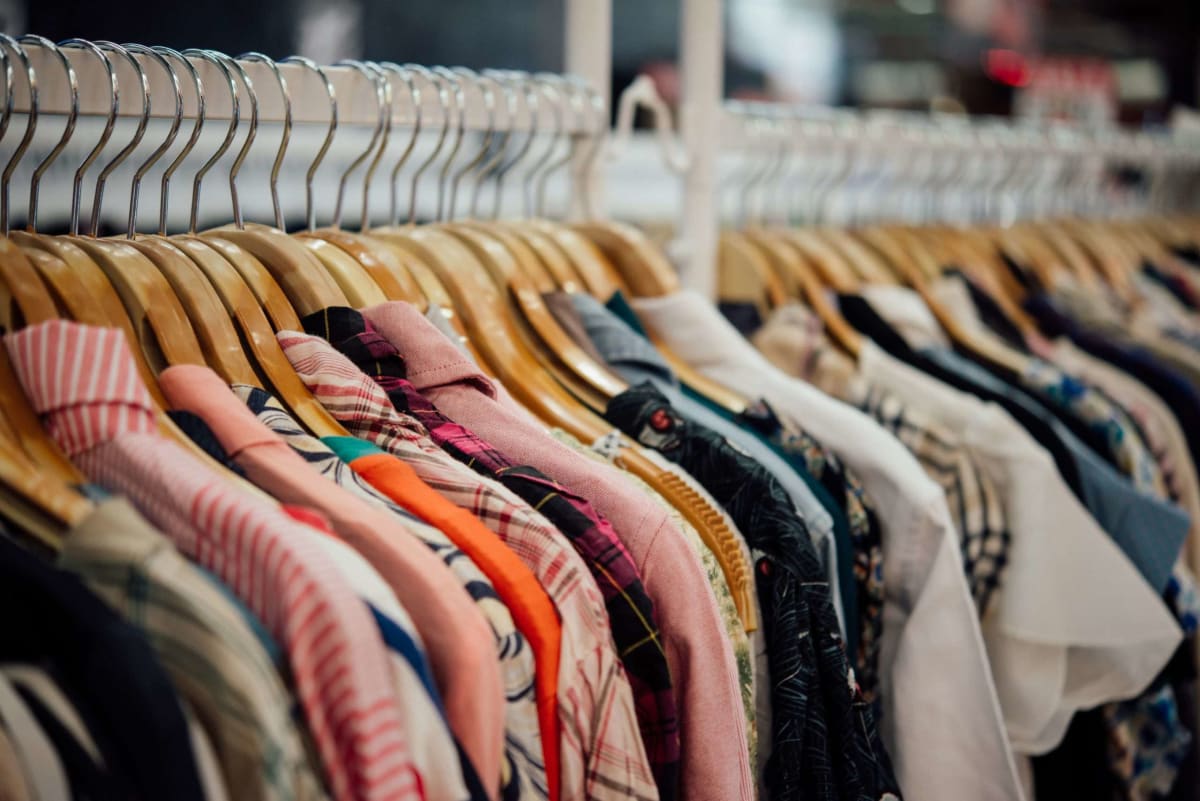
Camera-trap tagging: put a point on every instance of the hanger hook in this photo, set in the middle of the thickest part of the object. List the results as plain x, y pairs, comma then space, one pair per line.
114, 100
555, 97
31, 124
598, 125
414, 94
444, 98
286, 98
387, 113
238, 160
532, 103
486, 87
460, 117
189, 145
139, 132
135, 187
310, 214
510, 112
380, 113
234, 119
567, 97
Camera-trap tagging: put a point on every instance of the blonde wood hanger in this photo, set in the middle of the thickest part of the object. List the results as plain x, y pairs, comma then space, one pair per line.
647, 273
788, 259
864, 261
26, 293
833, 269
745, 275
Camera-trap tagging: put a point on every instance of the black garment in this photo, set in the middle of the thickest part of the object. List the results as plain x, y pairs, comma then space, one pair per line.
992, 316
106, 666
89, 781
825, 745
858, 313
745, 317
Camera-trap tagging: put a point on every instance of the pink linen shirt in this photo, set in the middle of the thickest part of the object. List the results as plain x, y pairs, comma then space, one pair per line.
716, 763
84, 384
457, 638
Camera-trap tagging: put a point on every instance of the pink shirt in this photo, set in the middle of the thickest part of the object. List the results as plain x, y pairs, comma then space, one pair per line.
716, 762
458, 639
85, 385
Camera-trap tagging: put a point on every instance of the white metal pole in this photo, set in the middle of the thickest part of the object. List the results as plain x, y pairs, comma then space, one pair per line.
702, 74
588, 43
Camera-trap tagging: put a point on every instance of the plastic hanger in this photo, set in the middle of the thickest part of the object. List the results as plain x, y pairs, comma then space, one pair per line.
297, 270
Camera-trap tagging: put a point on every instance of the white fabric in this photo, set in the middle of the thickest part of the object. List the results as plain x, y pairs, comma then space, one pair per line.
43, 769
212, 781
41, 685
907, 313
1074, 624
941, 722
433, 750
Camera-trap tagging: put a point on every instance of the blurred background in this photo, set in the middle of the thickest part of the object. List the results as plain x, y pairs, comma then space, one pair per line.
1095, 60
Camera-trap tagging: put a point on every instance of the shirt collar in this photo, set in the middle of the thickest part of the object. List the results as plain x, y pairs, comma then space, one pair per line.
83, 381
202, 392
432, 359
353, 335
617, 343
347, 392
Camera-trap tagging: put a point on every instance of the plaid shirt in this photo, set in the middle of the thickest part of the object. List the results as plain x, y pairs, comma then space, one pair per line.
85, 386
630, 610
524, 774
204, 643
602, 749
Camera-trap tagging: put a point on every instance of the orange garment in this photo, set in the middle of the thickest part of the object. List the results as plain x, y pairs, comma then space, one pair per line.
520, 590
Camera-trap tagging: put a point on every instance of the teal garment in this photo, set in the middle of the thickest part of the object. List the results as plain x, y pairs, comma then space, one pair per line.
350, 448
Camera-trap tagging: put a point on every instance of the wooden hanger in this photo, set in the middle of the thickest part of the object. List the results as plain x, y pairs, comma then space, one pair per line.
744, 275
27, 297
302, 277
788, 259
382, 263
833, 269
588, 262
498, 252
986, 270
864, 261
647, 273
241, 305
355, 282
32, 305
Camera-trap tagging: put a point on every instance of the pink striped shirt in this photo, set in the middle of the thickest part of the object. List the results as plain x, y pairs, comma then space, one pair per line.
84, 383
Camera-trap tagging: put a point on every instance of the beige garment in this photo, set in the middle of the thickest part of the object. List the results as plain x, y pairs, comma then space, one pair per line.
12, 775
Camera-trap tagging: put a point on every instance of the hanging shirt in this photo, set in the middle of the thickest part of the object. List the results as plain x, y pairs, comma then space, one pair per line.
93, 405
523, 757
823, 732
456, 634
215, 661
715, 761
631, 614
608, 738
940, 710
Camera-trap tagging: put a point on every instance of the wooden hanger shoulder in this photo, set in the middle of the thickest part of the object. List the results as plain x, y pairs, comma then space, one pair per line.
380, 260
25, 288
744, 275
294, 267
590, 264
258, 279
242, 307
499, 252
355, 282
216, 335
643, 269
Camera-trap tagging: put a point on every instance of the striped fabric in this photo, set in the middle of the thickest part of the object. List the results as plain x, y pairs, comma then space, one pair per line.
525, 774
631, 613
85, 385
213, 657
602, 751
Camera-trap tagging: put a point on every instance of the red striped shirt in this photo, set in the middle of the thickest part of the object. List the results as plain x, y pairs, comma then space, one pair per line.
84, 383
